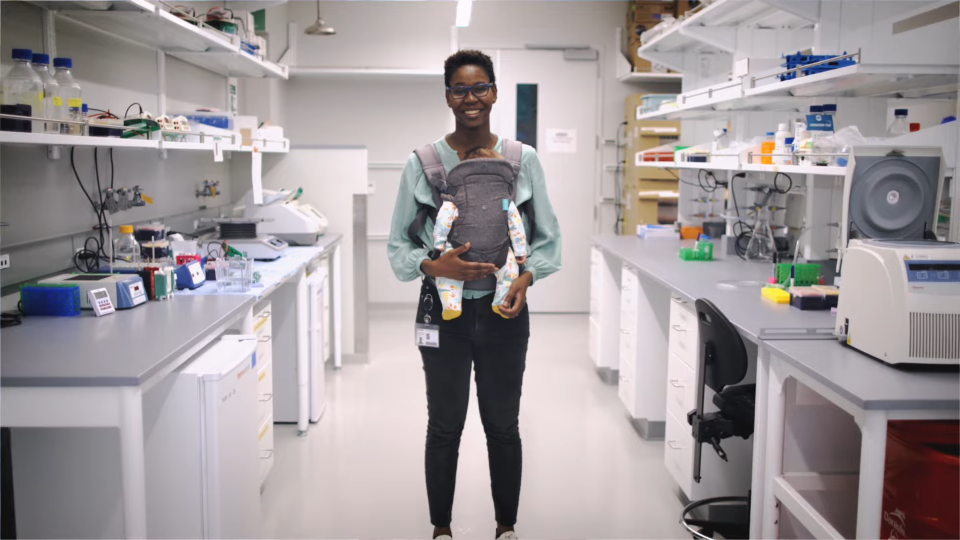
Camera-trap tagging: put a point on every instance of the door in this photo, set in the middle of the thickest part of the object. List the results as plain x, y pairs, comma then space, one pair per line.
565, 128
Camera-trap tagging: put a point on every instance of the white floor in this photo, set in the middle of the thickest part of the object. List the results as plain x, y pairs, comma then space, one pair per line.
359, 471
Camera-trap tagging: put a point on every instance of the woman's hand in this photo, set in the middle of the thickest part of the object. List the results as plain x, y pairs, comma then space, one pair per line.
451, 266
516, 298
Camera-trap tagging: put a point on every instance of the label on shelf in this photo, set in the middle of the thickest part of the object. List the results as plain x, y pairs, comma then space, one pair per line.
819, 122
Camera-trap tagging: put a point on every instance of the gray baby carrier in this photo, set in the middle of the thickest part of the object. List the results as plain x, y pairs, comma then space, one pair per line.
482, 190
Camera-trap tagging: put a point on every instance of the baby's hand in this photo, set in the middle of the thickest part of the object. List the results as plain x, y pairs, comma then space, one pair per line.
522, 260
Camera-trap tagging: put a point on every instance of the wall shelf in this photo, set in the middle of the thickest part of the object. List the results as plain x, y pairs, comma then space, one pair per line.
749, 93
359, 73
52, 139
156, 30
234, 64
643, 77
714, 27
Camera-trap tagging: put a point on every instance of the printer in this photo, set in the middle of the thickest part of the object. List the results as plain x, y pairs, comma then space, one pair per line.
284, 216
900, 289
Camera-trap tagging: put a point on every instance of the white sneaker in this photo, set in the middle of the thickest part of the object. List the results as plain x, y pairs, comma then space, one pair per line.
509, 535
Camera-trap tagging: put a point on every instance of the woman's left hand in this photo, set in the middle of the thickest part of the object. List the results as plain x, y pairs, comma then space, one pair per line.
516, 298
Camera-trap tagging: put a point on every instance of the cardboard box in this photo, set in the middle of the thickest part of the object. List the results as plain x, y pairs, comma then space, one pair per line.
646, 11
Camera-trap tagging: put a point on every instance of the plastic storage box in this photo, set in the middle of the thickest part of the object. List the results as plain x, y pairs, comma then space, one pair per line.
651, 102
60, 300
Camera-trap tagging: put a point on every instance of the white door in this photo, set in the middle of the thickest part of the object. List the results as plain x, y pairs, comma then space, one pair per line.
566, 113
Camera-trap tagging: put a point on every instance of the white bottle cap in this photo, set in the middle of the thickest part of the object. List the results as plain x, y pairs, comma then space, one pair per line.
782, 127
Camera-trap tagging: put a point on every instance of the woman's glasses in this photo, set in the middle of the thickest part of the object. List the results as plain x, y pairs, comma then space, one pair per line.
460, 92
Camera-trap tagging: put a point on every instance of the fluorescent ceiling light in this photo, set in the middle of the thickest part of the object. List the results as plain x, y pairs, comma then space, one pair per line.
463, 12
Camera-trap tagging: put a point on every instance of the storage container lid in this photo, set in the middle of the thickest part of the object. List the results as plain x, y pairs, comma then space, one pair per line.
40, 58
22, 54
63, 62
126, 229
900, 112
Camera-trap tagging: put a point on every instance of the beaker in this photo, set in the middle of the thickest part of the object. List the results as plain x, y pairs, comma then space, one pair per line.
762, 245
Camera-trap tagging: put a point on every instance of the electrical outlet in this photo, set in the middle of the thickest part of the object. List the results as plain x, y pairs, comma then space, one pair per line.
4, 261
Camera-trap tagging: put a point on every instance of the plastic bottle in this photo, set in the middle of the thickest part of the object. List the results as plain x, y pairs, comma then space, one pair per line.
780, 139
71, 95
768, 147
900, 125
125, 247
791, 147
22, 86
52, 102
720, 140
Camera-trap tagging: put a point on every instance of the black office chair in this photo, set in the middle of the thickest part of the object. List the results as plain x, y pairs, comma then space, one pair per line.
722, 364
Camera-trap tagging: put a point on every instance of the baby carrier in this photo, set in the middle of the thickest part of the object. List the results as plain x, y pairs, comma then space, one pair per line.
482, 190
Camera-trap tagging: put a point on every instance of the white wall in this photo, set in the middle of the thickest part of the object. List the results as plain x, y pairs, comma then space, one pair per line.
391, 116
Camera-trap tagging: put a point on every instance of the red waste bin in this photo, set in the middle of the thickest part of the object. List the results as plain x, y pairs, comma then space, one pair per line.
921, 481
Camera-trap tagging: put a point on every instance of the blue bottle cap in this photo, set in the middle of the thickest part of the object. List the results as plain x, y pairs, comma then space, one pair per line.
63, 62
789, 140
85, 109
771, 134
900, 112
829, 107
22, 54
948, 119
816, 109
40, 58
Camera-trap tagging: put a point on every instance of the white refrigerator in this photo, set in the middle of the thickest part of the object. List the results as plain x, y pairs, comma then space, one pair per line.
202, 454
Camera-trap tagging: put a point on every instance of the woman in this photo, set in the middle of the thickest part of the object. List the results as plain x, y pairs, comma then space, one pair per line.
495, 345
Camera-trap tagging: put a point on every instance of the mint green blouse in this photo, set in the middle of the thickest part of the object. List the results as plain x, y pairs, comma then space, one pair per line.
406, 256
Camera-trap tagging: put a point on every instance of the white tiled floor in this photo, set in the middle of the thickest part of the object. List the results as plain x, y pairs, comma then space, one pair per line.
359, 471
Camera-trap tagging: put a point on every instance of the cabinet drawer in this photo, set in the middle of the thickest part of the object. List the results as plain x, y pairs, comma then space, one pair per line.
265, 390
681, 387
682, 312
263, 322
266, 449
678, 453
684, 338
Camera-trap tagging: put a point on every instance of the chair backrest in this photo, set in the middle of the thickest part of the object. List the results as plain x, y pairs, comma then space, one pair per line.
722, 342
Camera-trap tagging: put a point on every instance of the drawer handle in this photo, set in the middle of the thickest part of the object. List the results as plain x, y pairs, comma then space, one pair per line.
264, 339
269, 454
624, 331
677, 300
266, 397
674, 445
678, 328
624, 379
676, 383
265, 314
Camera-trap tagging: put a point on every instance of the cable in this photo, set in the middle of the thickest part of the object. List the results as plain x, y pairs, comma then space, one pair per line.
74, 166
618, 185
127, 112
776, 186
701, 175
10, 319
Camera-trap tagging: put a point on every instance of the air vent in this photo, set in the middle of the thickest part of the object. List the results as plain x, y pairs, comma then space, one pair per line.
935, 335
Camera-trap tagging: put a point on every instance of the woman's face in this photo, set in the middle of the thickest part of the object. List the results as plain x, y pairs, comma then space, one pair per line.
471, 111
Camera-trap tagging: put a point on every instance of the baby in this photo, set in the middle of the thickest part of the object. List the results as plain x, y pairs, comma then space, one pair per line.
451, 290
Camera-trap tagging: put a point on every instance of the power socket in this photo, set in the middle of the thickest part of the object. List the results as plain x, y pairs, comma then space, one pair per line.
4, 261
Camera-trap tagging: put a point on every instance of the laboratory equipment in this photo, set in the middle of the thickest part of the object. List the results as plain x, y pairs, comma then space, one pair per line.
285, 217
807, 298
767, 147
125, 290
23, 88
70, 94
234, 274
762, 245
57, 299
780, 148
657, 231
702, 250
190, 275
261, 248
201, 448
52, 102
125, 246
830, 62
776, 295
899, 126
147, 233
100, 301
901, 300
155, 250
891, 192
802, 274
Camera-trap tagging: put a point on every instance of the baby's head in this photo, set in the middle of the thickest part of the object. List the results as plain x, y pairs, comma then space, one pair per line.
481, 152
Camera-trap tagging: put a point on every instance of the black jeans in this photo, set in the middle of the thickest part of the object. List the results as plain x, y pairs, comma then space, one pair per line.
497, 347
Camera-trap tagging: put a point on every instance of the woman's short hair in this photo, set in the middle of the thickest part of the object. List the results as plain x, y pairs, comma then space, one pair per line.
467, 58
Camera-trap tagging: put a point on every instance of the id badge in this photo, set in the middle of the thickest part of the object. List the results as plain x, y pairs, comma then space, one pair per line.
427, 335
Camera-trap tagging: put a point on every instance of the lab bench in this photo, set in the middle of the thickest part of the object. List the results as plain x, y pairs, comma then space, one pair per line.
821, 408
90, 372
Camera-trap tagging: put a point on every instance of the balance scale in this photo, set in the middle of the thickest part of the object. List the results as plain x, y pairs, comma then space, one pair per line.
241, 235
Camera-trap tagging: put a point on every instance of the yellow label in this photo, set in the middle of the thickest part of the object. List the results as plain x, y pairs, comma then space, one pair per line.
74, 103
147, 199
264, 432
57, 101
262, 376
849, 340
41, 98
